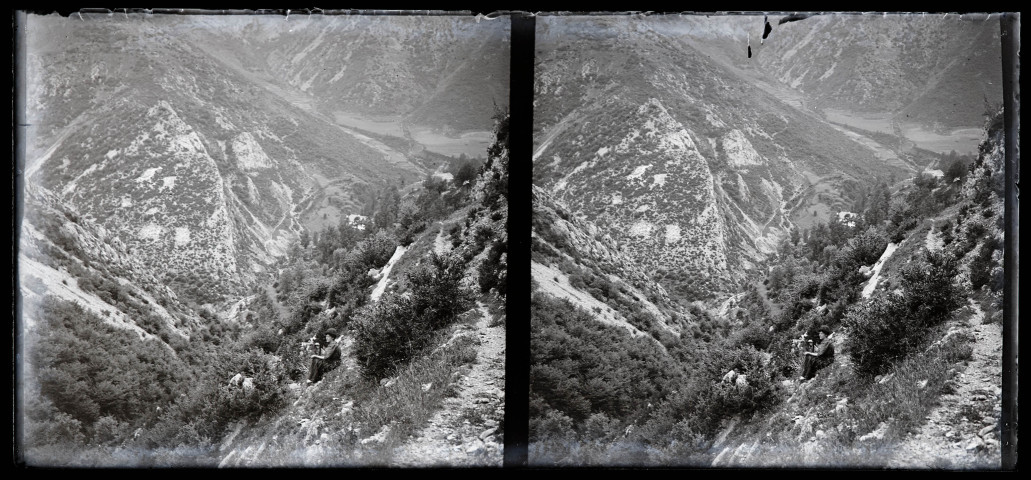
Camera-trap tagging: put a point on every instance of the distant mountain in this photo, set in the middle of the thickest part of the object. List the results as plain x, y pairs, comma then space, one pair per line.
697, 174
428, 69
187, 138
934, 70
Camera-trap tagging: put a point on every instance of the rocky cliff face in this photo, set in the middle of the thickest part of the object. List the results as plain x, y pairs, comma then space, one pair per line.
67, 256
574, 260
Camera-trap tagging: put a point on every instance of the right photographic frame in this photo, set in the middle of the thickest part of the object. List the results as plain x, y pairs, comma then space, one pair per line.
774, 240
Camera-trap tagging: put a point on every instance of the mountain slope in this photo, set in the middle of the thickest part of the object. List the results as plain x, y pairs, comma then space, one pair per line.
666, 149
935, 403
574, 260
439, 402
868, 63
67, 256
209, 173
423, 68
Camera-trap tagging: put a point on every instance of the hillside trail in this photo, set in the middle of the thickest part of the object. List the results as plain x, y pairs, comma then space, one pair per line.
466, 431
440, 246
963, 431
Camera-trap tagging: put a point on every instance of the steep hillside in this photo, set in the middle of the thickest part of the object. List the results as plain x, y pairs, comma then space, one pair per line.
809, 220
421, 377
67, 256
574, 260
196, 220
910, 289
104, 345
671, 153
423, 68
921, 385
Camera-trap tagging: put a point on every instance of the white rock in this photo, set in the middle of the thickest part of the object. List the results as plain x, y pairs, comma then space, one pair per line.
986, 430
730, 376
840, 406
877, 434
426, 386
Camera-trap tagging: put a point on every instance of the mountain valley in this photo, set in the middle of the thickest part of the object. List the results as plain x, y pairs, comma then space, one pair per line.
199, 213
729, 194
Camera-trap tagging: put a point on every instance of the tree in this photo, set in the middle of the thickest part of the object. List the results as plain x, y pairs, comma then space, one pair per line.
930, 292
956, 169
437, 293
880, 333
466, 173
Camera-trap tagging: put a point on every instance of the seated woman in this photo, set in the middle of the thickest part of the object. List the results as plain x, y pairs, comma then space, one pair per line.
330, 358
820, 357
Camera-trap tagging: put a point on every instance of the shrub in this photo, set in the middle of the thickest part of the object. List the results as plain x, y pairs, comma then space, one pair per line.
387, 335
493, 272
756, 335
107, 430
880, 333
230, 403
437, 293
713, 400
553, 425
61, 429
981, 265
886, 328
930, 294
390, 333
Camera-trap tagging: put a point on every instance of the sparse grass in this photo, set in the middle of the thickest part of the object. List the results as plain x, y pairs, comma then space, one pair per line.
323, 430
404, 405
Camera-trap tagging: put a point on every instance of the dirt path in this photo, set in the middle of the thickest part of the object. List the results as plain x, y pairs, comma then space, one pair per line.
440, 246
963, 431
465, 432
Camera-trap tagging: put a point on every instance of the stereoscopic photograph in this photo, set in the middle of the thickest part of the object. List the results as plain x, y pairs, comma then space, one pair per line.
261, 240
767, 241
